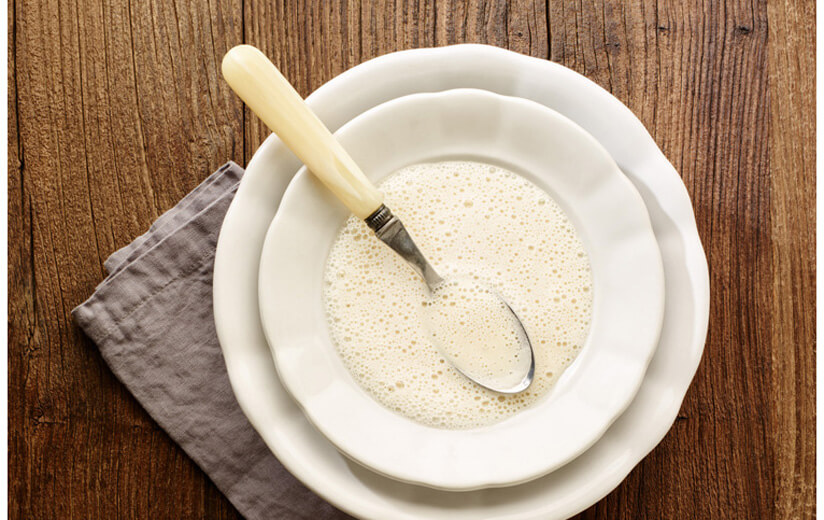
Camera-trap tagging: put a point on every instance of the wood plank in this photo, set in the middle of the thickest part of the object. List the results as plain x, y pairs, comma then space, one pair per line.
119, 116
679, 68
21, 324
792, 238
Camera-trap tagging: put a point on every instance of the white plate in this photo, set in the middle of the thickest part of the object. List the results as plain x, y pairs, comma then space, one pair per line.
585, 480
611, 219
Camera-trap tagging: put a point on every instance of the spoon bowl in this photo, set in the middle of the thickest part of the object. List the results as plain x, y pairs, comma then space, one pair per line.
478, 332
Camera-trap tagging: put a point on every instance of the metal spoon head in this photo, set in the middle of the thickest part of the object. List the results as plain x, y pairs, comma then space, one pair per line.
477, 331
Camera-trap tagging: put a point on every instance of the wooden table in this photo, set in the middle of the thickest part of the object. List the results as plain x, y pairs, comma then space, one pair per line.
117, 109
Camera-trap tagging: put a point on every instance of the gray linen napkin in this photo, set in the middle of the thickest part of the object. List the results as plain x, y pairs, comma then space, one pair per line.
152, 320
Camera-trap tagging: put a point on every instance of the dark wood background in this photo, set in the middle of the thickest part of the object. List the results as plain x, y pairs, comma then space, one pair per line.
117, 109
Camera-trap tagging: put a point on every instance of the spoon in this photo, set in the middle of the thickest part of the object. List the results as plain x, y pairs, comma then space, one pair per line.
494, 351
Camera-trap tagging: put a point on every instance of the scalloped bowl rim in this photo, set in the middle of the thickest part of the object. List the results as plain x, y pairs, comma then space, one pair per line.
610, 216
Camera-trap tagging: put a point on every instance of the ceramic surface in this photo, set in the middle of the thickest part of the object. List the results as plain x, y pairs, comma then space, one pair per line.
628, 297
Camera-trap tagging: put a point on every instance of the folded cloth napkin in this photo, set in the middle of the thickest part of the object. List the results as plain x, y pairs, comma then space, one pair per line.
152, 320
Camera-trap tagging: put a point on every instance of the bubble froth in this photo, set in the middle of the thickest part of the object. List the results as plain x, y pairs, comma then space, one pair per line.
469, 219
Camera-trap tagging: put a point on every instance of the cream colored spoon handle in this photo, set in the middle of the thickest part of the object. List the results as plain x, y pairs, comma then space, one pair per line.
261, 86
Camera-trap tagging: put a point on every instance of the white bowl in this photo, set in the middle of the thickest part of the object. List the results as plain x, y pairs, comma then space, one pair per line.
309, 455
628, 296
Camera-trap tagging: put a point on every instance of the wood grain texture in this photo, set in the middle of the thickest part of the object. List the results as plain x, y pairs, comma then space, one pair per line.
116, 110
792, 241
118, 115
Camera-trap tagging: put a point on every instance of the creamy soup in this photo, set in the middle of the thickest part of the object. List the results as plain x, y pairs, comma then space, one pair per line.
473, 221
